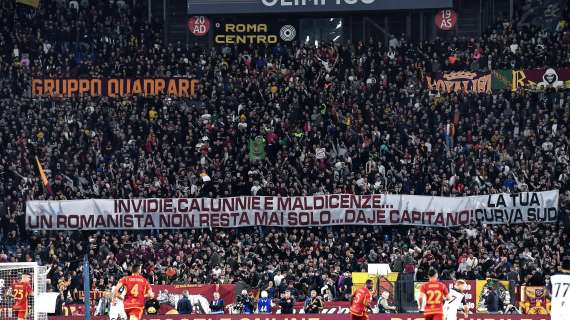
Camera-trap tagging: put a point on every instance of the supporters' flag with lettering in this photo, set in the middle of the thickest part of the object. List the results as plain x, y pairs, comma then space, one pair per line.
31, 3
43, 176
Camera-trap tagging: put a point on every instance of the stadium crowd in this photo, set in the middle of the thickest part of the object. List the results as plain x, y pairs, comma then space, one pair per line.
254, 128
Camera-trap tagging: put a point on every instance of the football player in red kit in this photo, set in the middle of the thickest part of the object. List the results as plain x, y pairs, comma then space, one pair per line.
136, 289
432, 296
360, 303
20, 291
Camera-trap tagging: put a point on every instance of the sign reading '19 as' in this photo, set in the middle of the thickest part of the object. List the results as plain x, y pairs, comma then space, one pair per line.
446, 19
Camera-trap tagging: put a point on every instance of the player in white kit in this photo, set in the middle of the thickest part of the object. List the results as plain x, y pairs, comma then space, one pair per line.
117, 309
456, 301
560, 292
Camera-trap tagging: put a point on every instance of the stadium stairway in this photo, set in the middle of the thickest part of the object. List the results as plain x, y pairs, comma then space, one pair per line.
176, 18
469, 19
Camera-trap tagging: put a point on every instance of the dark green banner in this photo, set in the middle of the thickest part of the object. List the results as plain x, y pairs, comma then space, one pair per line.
534, 79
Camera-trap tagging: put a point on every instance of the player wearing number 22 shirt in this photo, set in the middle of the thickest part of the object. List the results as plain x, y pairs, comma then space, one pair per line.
433, 293
360, 303
136, 289
20, 291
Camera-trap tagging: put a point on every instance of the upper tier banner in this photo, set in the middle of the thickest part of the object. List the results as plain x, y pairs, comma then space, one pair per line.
306, 6
498, 80
323, 210
113, 87
534, 79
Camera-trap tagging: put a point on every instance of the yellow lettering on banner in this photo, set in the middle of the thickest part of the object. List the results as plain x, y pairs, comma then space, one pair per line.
230, 27
159, 86
172, 90
246, 39
96, 87
475, 85
112, 87
449, 86
48, 87
137, 88
465, 85
83, 86
36, 87
72, 87
148, 87
60, 87
430, 83
485, 83
440, 85
518, 79
122, 87
184, 85
193, 86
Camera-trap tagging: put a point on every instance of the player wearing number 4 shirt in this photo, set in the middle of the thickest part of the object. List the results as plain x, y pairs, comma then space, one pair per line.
360, 303
560, 292
136, 289
456, 302
432, 295
20, 291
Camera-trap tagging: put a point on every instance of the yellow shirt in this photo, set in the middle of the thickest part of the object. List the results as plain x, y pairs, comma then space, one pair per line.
152, 114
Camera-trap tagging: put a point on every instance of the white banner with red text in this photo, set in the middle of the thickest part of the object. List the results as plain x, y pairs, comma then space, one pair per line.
321, 210
400, 316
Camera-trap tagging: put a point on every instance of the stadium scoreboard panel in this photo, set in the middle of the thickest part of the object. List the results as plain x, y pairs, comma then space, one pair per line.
197, 7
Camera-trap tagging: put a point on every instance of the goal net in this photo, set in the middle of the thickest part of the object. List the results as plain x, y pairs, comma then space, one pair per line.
10, 274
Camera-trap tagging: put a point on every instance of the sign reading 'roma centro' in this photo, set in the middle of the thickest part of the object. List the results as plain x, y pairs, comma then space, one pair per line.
255, 32
114, 87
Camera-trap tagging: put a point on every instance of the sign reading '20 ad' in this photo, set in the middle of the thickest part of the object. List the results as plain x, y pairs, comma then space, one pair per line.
324, 210
196, 7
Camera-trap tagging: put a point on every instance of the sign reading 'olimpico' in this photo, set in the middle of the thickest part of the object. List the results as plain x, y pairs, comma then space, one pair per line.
321, 210
285, 6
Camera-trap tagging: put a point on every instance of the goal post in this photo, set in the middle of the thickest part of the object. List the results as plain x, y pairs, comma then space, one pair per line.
10, 273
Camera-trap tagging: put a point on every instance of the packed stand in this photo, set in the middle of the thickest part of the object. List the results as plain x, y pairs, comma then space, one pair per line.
253, 129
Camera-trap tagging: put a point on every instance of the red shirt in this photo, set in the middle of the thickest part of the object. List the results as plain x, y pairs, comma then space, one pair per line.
21, 291
435, 292
136, 286
360, 302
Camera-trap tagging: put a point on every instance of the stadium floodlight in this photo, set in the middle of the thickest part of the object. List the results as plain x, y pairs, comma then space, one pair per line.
10, 275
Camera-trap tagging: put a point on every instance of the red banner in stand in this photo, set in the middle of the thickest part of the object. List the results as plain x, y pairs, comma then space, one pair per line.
401, 316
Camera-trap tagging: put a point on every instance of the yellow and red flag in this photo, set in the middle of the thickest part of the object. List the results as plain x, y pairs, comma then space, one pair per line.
43, 176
